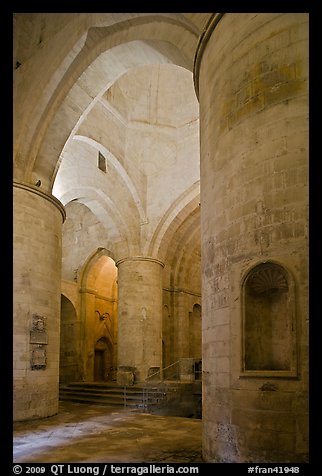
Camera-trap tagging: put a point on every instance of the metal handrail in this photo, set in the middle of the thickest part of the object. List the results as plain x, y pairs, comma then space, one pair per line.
168, 366
162, 370
145, 387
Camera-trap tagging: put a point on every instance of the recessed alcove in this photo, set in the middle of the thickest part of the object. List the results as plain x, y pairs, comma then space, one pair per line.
269, 345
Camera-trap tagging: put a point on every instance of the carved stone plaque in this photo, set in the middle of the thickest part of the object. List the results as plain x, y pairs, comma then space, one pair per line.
38, 337
38, 334
38, 341
38, 358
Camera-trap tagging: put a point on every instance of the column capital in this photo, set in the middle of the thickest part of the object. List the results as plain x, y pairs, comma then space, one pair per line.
139, 258
202, 43
42, 194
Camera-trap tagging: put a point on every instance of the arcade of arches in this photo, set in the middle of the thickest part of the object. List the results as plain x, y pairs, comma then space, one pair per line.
161, 213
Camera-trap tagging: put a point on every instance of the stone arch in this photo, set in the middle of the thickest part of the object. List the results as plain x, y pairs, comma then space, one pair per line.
121, 171
104, 209
184, 253
99, 315
69, 362
91, 260
167, 39
269, 321
172, 219
177, 241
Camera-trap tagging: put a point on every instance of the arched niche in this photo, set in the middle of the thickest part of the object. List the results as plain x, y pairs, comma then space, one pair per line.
269, 322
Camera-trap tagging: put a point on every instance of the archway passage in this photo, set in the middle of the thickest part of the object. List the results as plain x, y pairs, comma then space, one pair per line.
69, 363
99, 317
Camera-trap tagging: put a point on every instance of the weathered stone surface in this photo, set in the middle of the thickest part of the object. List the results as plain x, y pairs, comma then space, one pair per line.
254, 172
106, 118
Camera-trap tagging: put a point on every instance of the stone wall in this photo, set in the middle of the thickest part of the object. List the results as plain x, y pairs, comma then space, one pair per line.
36, 268
254, 172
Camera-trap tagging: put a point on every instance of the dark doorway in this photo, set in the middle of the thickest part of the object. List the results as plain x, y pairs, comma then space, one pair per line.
99, 366
103, 360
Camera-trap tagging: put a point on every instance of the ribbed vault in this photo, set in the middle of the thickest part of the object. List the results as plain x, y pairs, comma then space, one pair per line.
182, 256
148, 137
112, 130
76, 90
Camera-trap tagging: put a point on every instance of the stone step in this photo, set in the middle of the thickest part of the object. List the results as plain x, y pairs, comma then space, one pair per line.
94, 400
116, 397
110, 388
102, 401
105, 394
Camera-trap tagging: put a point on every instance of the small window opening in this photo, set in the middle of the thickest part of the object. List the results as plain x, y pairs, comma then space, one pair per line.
101, 162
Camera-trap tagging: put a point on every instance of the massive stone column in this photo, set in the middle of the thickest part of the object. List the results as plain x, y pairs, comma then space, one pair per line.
37, 231
139, 317
251, 72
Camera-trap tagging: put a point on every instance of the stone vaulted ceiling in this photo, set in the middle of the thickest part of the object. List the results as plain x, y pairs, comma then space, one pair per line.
133, 106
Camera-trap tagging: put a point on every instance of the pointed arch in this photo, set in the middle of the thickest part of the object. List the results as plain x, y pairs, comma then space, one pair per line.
176, 214
161, 39
90, 262
121, 171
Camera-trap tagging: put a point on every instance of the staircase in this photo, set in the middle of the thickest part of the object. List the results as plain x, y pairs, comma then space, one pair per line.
135, 397
175, 390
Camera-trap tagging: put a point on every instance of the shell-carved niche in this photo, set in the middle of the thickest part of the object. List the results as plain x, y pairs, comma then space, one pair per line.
269, 321
268, 278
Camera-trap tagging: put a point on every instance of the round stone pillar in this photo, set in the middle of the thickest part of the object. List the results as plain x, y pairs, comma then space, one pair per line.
139, 318
37, 232
251, 72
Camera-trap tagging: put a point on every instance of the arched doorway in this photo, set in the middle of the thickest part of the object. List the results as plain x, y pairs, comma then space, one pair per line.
99, 317
69, 362
103, 360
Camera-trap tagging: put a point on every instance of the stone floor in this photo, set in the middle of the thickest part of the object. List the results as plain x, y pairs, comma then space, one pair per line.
99, 434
